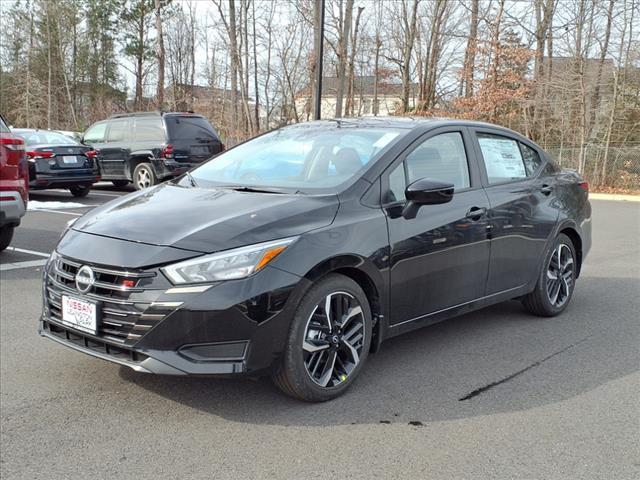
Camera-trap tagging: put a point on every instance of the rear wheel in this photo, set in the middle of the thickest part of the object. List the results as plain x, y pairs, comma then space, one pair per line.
144, 176
6, 234
328, 341
120, 183
556, 282
80, 191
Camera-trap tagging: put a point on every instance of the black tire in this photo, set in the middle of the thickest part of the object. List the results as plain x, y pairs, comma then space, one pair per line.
144, 176
120, 183
6, 234
80, 192
542, 301
293, 376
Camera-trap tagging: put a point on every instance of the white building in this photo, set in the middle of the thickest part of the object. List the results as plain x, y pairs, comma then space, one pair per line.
389, 98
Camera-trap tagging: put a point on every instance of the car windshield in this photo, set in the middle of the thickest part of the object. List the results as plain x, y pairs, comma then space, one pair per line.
44, 137
301, 157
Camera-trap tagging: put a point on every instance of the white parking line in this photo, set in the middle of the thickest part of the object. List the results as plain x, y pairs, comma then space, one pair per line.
16, 265
57, 211
30, 252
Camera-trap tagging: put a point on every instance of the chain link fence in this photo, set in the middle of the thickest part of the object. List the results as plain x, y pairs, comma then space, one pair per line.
615, 168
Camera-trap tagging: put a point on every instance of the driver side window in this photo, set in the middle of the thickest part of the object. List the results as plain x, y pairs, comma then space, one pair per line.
441, 157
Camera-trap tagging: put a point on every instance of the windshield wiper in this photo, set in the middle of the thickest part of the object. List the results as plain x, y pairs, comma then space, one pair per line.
249, 188
192, 180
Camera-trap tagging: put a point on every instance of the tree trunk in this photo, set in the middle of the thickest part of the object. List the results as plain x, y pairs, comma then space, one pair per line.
595, 100
49, 67
468, 69
376, 75
233, 43
406, 54
161, 56
256, 108
352, 59
343, 47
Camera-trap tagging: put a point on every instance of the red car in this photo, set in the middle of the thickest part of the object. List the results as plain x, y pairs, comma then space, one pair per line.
14, 183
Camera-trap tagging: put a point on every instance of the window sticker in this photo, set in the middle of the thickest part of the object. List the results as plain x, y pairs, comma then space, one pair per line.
502, 157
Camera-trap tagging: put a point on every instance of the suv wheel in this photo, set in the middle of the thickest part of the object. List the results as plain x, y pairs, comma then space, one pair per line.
144, 176
328, 342
6, 234
120, 183
80, 191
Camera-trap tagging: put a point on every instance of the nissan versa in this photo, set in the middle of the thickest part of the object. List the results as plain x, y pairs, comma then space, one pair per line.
350, 232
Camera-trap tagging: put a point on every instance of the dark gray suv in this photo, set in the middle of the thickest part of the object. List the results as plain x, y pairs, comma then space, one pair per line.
148, 147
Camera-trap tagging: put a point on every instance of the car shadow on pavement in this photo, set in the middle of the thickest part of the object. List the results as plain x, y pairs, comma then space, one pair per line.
496, 360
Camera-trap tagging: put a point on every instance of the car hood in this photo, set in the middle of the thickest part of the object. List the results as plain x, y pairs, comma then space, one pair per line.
207, 220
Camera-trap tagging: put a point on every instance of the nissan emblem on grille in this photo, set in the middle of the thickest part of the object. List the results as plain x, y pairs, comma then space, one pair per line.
85, 278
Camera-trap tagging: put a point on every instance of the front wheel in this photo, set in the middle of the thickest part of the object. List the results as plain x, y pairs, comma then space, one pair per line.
144, 176
328, 342
6, 234
80, 192
556, 282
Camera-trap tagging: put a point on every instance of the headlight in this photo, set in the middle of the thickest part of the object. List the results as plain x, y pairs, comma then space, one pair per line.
229, 265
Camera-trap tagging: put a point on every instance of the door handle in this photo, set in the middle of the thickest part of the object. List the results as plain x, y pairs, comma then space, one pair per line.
546, 189
475, 213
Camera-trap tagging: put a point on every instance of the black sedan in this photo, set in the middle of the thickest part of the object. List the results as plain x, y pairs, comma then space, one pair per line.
351, 232
58, 161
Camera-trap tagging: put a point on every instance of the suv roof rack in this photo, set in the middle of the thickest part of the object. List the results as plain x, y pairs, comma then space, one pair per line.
153, 112
136, 114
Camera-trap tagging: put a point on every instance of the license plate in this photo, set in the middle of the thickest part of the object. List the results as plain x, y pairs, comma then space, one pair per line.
69, 159
199, 150
79, 314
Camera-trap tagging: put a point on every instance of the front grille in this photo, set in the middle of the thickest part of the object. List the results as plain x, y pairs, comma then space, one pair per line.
86, 341
125, 313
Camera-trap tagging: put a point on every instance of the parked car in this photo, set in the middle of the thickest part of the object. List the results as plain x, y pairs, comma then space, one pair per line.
77, 136
14, 183
148, 147
300, 277
57, 161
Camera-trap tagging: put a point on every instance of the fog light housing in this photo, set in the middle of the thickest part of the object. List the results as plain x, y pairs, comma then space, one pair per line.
214, 352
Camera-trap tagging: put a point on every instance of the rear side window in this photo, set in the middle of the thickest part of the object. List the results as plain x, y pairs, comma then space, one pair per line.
532, 160
3, 127
95, 134
148, 129
502, 158
118, 130
189, 128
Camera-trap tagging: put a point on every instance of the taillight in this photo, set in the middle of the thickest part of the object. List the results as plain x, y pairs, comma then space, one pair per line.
91, 154
167, 152
12, 143
43, 154
584, 186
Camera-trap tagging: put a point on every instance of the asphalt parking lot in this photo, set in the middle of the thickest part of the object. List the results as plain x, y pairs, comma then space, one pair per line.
492, 394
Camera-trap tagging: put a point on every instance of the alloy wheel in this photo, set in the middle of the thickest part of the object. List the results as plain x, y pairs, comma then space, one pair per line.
333, 340
560, 275
144, 178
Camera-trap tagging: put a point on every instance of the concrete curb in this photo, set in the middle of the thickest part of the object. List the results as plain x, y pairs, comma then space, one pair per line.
614, 196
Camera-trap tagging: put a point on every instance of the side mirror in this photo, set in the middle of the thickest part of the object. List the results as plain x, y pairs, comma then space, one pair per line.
426, 191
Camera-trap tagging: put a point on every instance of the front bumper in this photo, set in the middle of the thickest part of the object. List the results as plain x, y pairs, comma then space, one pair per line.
12, 208
235, 327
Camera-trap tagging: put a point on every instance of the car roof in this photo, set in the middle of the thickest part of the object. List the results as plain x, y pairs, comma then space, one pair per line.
408, 123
